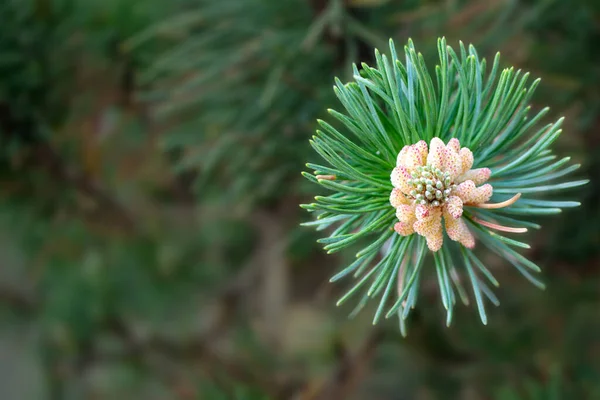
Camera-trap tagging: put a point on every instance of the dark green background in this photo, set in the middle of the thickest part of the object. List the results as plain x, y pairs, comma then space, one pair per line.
150, 158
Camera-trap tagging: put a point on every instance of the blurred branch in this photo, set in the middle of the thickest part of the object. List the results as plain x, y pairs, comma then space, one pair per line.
271, 258
264, 269
43, 156
49, 160
18, 299
350, 369
197, 350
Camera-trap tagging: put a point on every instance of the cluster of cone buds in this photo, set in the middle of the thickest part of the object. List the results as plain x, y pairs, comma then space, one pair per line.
434, 182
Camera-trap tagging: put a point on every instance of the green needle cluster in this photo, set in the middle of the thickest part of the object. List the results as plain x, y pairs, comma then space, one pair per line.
397, 103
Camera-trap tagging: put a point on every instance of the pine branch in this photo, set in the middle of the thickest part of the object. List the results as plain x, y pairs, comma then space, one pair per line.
429, 166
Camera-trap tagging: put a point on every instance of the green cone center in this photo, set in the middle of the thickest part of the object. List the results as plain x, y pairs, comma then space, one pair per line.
430, 186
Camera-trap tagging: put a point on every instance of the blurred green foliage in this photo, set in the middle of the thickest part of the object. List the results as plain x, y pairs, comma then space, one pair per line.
149, 235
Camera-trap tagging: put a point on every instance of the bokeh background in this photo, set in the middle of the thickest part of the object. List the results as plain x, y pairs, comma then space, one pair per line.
150, 158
